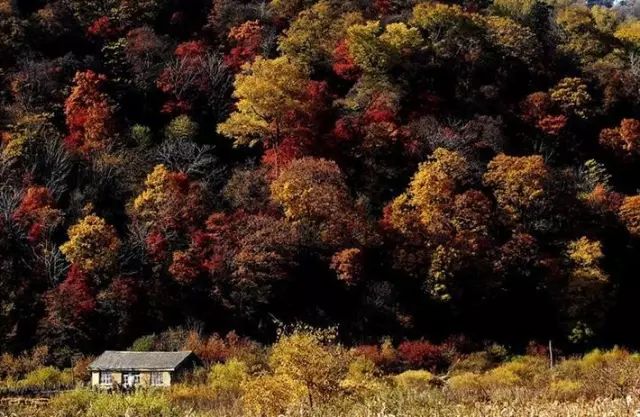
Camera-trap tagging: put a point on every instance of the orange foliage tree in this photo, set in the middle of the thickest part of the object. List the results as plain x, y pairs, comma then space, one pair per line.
89, 114
624, 139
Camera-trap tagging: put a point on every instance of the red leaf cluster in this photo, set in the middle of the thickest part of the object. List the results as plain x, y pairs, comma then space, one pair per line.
103, 28
71, 301
420, 354
624, 139
89, 113
247, 39
343, 64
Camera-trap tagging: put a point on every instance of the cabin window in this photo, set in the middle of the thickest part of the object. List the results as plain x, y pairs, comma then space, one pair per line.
105, 378
131, 379
156, 378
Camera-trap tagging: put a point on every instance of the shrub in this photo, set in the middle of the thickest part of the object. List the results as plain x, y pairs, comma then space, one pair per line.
418, 380
420, 354
9, 366
72, 403
477, 362
214, 349
525, 370
310, 357
138, 404
196, 376
497, 353
383, 356
519, 373
565, 390
141, 135
271, 395
193, 396
209, 350
613, 372
143, 343
181, 128
47, 377
169, 340
15, 367
371, 352
226, 379
569, 369
361, 379
80, 369
501, 377
468, 385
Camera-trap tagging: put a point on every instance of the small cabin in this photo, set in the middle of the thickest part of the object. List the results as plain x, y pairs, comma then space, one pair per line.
139, 369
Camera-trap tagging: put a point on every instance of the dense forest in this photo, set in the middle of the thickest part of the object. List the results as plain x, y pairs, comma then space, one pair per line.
399, 168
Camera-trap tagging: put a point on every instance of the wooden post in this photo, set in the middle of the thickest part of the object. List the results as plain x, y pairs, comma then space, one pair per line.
550, 354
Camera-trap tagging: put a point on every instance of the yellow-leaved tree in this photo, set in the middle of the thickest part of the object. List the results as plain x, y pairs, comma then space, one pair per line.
512, 39
315, 33
630, 214
269, 93
519, 184
431, 193
629, 32
586, 292
314, 191
93, 244
170, 200
312, 358
441, 223
376, 49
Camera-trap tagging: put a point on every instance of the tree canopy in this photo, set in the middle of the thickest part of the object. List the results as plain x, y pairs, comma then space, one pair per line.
399, 168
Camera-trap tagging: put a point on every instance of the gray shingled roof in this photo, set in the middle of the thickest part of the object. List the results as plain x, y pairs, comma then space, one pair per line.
112, 360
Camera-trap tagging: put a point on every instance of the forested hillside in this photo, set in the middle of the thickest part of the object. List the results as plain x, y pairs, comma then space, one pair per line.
398, 168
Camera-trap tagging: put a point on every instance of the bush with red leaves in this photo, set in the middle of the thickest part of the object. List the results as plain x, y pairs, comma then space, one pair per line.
420, 354
343, 63
103, 28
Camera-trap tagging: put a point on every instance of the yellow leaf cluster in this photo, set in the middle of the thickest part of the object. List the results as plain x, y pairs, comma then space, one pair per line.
433, 15
519, 183
181, 128
361, 379
583, 32
575, 18
150, 203
271, 395
375, 49
304, 358
630, 33
630, 214
518, 10
267, 91
310, 188
572, 95
93, 244
399, 37
314, 190
315, 33
29, 129
606, 19
512, 38
585, 253
431, 192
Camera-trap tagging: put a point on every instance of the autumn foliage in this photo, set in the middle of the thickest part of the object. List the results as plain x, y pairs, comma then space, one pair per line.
89, 114
403, 170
